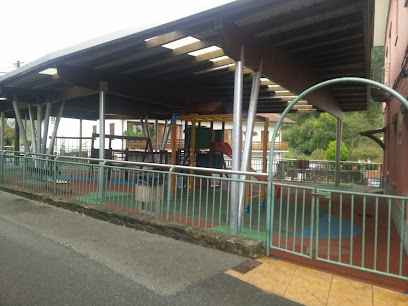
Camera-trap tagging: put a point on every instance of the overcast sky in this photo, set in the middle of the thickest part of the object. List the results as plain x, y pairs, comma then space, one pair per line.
33, 28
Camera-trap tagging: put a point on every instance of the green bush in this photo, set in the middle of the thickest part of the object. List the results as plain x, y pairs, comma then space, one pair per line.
318, 154
331, 151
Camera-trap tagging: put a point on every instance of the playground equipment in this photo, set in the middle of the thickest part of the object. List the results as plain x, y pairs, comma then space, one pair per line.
124, 155
204, 146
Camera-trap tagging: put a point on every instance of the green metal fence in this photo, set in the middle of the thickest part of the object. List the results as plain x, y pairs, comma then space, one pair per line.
292, 219
12, 169
350, 229
362, 231
196, 196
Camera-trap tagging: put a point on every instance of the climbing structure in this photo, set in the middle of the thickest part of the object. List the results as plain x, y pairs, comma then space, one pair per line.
204, 146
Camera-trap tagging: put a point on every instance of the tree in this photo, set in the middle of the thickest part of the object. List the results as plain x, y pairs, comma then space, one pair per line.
318, 154
372, 153
131, 133
324, 131
316, 131
331, 151
299, 136
138, 133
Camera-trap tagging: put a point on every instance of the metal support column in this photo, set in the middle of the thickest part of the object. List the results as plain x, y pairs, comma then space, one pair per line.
143, 127
16, 138
20, 125
54, 132
148, 134
163, 136
39, 115
236, 142
173, 156
339, 129
147, 127
156, 135
103, 88
2, 132
167, 136
192, 156
33, 131
46, 125
185, 142
264, 158
156, 139
80, 136
246, 156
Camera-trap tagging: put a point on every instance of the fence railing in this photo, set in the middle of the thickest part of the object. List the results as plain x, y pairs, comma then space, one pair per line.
357, 173
354, 230
256, 145
372, 237
351, 229
69, 146
292, 219
201, 196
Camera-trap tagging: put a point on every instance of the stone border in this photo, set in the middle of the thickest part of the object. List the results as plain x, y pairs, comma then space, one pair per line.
179, 231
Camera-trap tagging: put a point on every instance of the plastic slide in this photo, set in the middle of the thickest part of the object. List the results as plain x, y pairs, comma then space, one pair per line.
224, 147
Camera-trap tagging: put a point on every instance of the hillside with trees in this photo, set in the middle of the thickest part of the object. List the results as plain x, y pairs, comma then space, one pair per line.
311, 137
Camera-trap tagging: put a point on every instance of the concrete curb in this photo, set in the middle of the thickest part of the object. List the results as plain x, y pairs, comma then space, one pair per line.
206, 238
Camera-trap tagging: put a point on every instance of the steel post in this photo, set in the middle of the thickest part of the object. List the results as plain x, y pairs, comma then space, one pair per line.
162, 146
39, 115
339, 128
168, 135
147, 127
236, 142
156, 139
46, 125
156, 133
103, 88
16, 139
148, 134
80, 136
20, 125
33, 131
246, 156
2, 132
143, 127
54, 132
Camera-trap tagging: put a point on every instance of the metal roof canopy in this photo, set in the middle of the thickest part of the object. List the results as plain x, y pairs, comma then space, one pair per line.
302, 42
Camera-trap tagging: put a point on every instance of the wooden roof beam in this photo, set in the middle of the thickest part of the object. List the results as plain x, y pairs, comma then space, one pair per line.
279, 66
171, 92
190, 63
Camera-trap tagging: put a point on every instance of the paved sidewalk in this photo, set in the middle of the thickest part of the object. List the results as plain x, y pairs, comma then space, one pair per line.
51, 256
312, 287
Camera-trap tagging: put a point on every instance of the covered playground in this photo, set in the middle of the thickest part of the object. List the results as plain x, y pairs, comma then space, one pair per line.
255, 57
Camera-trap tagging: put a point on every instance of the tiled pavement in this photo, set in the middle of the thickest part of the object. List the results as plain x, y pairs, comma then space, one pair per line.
312, 287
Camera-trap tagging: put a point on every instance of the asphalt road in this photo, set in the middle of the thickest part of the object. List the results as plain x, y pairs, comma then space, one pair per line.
50, 256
